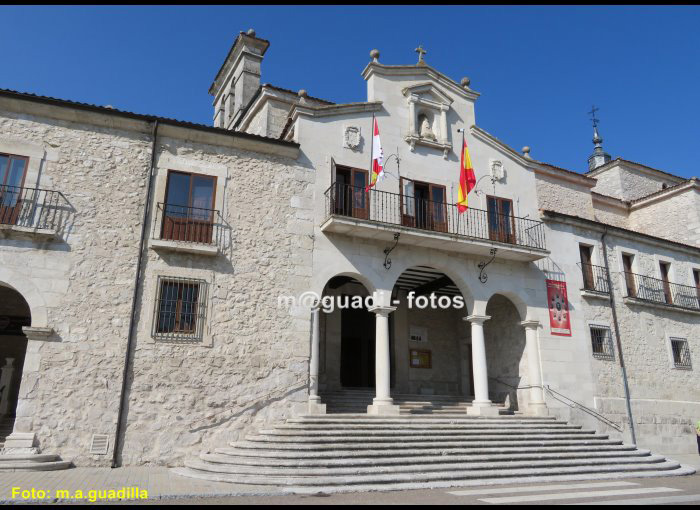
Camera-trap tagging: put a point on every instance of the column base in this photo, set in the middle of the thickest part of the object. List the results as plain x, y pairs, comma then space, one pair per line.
20, 443
538, 409
383, 408
482, 409
316, 407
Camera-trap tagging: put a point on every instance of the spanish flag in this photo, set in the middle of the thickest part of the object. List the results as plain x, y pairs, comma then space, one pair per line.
467, 180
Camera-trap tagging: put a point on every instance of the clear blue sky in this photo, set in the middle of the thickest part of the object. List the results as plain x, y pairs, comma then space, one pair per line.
538, 69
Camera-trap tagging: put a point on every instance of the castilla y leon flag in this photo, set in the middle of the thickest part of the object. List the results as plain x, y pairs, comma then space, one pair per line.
467, 179
377, 156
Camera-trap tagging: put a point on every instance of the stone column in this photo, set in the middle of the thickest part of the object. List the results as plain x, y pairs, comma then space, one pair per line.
481, 406
315, 405
537, 405
412, 116
383, 403
6, 373
22, 441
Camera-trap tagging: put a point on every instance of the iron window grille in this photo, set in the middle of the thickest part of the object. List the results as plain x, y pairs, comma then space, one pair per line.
179, 314
601, 341
681, 353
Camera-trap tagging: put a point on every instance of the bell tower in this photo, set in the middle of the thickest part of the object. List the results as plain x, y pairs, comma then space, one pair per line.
238, 79
599, 156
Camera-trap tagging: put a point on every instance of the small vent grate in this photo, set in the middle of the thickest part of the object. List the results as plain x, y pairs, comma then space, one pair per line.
99, 444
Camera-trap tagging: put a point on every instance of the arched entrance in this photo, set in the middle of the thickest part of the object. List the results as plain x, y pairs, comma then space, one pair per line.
347, 347
431, 341
14, 314
505, 348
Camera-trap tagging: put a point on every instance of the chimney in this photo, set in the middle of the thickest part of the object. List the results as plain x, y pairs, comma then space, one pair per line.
238, 79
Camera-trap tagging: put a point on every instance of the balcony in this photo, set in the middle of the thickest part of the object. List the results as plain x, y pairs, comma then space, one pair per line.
33, 213
378, 215
595, 281
188, 230
645, 289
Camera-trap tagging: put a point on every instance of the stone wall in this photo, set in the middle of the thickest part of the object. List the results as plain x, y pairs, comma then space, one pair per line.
81, 284
563, 196
188, 398
676, 218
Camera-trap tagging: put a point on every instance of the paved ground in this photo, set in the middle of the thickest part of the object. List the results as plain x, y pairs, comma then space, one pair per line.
163, 486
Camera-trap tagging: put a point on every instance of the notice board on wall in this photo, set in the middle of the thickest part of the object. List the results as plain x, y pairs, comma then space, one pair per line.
558, 304
420, 358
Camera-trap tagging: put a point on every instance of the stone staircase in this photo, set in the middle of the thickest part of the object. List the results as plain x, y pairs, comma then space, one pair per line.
356, 401
25, 462
345, 452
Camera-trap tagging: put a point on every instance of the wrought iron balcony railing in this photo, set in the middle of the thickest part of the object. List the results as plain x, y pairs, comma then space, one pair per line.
408, 211
655, 290
595, 278
185, 224
33, 208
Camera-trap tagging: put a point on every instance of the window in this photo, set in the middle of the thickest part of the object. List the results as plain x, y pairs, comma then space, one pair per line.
188, 213
351, 198
180, 309
696, 278
681, 353
664, 269
627, 261
586, 266
601, 341
12, 173
501, 220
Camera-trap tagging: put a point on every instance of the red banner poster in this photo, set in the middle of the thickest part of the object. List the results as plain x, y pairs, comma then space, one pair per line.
559, 319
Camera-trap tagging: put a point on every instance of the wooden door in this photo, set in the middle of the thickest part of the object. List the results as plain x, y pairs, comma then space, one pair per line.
501, 220
408, 204
664, 269
421, 202
12, 173
629, 276
586, 267
360, 197
438, 209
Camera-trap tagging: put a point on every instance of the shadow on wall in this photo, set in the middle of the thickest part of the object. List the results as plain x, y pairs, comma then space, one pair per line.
505, 345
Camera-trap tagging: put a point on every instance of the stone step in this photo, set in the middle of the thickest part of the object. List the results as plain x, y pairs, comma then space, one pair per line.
316, 427
401, 420
8, 466
377, 453
381, 480
409, 440
323, 462
417, 468
451, 434
333, 445
37, 457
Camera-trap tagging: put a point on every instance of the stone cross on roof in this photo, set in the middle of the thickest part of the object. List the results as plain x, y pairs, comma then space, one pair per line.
420, 52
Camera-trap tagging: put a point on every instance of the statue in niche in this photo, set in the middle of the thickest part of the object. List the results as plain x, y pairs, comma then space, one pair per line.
425, 129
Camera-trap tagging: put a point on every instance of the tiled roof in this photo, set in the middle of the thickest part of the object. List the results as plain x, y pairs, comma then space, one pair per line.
138, 116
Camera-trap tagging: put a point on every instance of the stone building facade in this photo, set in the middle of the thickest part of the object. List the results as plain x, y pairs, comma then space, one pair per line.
142, 262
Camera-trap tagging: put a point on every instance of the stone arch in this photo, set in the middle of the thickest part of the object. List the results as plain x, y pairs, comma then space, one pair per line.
29, 292
506, 347
516, 300
452, 273
328, 275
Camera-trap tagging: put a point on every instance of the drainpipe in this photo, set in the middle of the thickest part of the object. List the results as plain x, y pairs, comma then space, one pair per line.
132, 319
617, 337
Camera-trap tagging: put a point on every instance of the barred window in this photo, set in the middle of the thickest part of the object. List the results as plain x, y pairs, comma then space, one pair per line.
681, 353
180, 309
601, 340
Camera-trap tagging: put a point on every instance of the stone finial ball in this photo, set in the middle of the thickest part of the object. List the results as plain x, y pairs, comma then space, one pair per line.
374, 53
302, 93
465, 82
526, 150
250, 32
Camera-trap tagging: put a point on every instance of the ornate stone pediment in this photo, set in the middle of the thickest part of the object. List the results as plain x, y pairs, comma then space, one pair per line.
427, 117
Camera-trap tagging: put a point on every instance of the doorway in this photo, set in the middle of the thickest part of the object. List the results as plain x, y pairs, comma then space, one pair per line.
357, 348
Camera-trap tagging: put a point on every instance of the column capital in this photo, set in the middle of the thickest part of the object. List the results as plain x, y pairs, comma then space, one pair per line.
477, 319
37, 333
381, 309
530, 324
